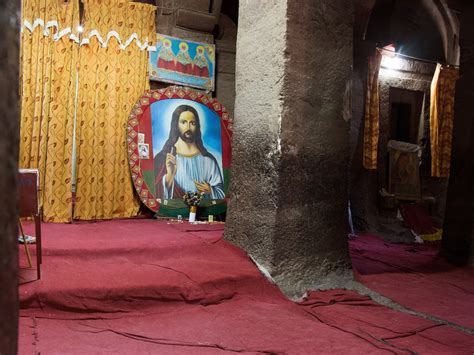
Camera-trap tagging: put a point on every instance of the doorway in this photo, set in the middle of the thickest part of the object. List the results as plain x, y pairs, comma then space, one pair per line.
406, 118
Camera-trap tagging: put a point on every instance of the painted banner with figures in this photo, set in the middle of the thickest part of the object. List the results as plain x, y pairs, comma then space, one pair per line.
183, 62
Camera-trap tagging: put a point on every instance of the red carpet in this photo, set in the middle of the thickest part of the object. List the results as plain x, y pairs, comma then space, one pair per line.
414, 276
142, 286
416, 217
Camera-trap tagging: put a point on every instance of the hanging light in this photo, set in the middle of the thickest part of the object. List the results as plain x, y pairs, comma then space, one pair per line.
393, 63
390, 61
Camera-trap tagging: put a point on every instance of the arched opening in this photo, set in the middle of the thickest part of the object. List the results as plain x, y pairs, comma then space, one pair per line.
404, 83
392, 203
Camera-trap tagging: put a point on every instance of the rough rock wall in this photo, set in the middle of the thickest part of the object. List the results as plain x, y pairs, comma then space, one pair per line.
9, 28
260, 66
458, 237
311, 242
225, 74
188, 19
225, 67
289, 189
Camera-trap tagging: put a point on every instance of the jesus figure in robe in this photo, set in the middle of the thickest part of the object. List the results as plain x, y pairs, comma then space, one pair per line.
184, 164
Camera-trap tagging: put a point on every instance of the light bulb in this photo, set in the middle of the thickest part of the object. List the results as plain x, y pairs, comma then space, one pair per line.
394, 63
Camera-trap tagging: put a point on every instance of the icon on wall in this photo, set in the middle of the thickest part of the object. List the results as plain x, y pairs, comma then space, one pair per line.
144, 151
183, 62
404, 170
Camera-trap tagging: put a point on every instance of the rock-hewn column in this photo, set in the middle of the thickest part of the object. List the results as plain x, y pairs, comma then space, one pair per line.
458, 238
9, 118
260, 70
288, 207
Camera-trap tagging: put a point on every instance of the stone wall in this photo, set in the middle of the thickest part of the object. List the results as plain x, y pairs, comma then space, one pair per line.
188, 19
225, 67
9, 130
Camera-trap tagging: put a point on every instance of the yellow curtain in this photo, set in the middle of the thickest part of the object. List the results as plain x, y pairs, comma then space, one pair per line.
441, 118
371, 115
48, 70
112, 77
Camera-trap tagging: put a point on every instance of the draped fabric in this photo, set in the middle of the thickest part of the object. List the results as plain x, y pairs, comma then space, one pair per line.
53, 18
126, 21
441, 118
113, 76
371, 115
49, 52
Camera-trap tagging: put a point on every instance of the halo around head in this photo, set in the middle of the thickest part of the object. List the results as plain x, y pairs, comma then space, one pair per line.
200, 49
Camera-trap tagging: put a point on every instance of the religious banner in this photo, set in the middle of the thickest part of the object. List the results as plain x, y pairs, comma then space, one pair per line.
183, 62
404, 172
179, 141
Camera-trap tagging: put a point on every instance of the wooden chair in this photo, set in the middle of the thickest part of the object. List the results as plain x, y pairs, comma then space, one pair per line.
29, 207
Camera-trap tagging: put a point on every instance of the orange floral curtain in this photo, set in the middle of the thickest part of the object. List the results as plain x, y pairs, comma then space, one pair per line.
112, 77
371, 115
49, 52
442, 118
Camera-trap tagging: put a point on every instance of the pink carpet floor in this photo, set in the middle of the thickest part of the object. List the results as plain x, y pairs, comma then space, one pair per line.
415, 276
148, 287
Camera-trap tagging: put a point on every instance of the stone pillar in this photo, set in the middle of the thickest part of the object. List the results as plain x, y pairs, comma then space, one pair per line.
9, 118
288, 205
458, 236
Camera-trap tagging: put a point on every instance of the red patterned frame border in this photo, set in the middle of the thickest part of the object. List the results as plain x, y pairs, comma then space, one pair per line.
148, 98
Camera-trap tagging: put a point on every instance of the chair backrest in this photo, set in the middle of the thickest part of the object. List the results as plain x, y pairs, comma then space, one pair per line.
28, 186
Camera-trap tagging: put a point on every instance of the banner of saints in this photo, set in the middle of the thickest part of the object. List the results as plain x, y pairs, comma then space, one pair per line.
183, 62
